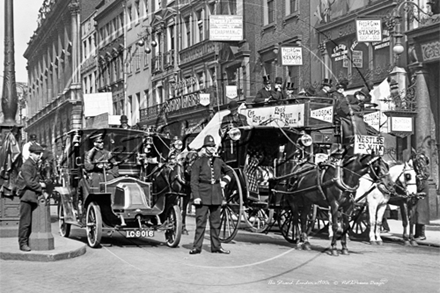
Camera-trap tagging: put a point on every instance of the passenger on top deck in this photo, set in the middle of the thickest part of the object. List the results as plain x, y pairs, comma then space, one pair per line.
326, 88
289, 90
265, 94
278, 93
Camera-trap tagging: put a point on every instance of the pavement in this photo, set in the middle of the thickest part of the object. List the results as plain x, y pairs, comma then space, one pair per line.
432, 233
65, 248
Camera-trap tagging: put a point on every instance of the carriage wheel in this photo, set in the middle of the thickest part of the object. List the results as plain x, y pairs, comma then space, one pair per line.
174, 232
258, 219
94, 225
230, 213
285, 222
359, 223
64, 228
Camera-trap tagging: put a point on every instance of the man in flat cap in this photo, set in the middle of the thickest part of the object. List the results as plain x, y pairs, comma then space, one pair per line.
32, 141
99, 162
29, 190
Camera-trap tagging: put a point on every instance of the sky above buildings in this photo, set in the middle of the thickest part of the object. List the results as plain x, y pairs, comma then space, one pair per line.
25, 23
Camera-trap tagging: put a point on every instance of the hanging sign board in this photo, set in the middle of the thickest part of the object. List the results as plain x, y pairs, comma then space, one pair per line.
225, 28
357, 58
231, 91
204, 99
291, 56
369, 30
366, 144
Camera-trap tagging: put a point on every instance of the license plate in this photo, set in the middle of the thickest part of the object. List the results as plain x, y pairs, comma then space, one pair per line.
139, 233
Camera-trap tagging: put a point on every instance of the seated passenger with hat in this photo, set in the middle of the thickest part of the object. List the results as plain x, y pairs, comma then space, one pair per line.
99, 162
265, 94
326, 88
233, 119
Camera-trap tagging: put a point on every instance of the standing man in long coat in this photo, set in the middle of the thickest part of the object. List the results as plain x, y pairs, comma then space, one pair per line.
206, 187
29, 189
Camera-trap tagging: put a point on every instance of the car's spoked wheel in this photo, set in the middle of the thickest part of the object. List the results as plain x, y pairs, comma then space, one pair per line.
94, 225
64, 228
174, 233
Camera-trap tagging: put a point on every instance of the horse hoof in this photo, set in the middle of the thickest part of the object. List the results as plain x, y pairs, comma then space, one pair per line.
373, 242
345, 252
335, 252
299, 247
380, 243
407, 243
307, 246
414, 243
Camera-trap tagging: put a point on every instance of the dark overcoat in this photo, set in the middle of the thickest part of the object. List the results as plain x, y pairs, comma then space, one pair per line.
201, 176
29, 180
262, 95
234, 120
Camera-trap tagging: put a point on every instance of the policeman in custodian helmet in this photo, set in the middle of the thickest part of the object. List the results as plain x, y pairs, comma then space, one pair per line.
206, 186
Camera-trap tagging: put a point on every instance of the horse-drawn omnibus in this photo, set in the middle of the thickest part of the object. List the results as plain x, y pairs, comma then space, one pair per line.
143, 199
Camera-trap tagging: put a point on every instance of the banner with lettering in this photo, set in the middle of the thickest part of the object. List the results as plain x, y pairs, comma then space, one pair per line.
323, 114
277, 116
369, 30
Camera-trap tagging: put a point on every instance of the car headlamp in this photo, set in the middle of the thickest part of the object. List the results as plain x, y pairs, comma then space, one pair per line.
234, 133
178, 144
306, 140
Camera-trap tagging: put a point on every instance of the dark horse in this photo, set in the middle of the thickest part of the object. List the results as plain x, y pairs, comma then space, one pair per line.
182, 182
330, 184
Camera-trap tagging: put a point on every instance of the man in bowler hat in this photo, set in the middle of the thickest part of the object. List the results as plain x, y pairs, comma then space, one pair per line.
124, 122
29, 191
233, 119
265, 94
206, 187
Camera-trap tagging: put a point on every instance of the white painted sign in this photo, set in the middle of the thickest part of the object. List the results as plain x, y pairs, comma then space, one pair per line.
366, 144
373, 119
231, 91
357, 58
402, 124
277, 116
291, 56
98, 103
226, 28
369, 30
204, 99
323, 114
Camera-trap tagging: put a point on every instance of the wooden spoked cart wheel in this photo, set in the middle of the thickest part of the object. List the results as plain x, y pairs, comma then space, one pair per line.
359, 222
231, 210
291, 232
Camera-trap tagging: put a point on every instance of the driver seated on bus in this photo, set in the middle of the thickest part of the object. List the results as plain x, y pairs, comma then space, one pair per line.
100, 163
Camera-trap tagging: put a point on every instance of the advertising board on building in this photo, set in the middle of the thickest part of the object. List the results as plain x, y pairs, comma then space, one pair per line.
357, 58
231, 91
277, 116
225, 28
369, 30
291, 56
204, 99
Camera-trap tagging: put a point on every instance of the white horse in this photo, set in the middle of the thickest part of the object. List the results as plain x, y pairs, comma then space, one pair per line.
401, 180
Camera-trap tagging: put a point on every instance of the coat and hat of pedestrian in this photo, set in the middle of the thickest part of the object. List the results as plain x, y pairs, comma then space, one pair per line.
207, 181
29, 191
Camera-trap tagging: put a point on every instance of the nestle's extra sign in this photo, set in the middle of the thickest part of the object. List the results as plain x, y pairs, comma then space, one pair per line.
365, 144
369, 30
276, 116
